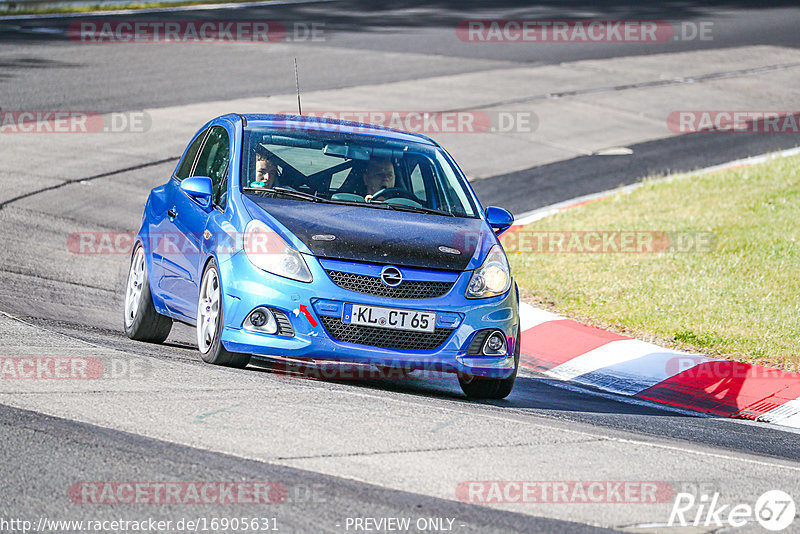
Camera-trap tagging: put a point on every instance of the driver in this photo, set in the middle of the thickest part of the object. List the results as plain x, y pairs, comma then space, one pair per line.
267, 171
379, 175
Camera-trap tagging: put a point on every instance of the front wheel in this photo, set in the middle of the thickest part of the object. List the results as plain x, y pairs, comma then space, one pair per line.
142, 321
476, 387
210, 323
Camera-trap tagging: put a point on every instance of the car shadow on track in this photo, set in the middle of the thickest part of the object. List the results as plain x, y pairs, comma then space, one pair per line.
530, 392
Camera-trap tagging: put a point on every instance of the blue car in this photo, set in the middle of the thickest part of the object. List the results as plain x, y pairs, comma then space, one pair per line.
281, 236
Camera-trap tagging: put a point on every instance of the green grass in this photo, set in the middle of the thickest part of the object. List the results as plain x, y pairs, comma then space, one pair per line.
22, 9
739, 300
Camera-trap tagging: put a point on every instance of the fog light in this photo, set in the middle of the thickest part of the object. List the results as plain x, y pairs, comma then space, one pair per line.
258, 318
261, 320
495, 344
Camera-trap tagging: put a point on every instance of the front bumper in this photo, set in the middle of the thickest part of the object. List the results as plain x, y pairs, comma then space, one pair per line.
246, 287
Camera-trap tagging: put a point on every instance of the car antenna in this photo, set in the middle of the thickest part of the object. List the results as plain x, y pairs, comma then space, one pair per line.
297, 84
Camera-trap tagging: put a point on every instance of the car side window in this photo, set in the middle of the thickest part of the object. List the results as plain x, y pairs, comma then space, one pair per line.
221, 197
213, 162
418, 183
185, 168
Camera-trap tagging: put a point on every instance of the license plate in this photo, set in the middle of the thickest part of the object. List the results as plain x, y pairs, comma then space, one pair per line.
416, 321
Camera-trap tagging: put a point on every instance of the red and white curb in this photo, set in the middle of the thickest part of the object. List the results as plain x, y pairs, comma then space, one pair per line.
568, 350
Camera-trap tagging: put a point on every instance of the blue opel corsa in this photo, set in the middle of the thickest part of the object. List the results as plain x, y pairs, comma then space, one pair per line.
282, 236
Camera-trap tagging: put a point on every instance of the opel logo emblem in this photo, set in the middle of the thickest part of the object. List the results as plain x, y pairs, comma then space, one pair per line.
323, 237
391, 276
449, 250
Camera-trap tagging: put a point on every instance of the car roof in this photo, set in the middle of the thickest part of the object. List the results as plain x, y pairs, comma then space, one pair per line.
322, 124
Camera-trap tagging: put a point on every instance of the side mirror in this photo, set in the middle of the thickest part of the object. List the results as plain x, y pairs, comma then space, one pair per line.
499, 219
199, 188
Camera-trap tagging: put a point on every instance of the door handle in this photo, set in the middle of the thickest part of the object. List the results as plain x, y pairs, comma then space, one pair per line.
171, 213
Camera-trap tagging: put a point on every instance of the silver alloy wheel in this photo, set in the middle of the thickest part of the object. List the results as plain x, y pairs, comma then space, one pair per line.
208, 311
136, 280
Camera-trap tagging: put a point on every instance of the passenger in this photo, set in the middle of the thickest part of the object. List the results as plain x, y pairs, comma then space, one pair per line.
267, 172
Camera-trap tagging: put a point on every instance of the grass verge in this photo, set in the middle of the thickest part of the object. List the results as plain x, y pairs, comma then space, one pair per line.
736, 295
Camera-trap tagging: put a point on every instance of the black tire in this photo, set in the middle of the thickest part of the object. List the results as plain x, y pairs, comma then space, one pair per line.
143, 323
216, 353
477, 387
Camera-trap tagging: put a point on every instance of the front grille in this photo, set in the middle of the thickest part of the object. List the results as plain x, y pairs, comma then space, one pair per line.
372, 285
384, 337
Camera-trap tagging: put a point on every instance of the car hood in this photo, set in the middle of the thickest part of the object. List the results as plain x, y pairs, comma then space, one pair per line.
378, 235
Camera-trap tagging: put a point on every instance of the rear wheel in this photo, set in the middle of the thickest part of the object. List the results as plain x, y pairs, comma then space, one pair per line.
142, 321
477, 387
210, 323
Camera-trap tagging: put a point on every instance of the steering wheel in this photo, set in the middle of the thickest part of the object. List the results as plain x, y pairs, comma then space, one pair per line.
394, 192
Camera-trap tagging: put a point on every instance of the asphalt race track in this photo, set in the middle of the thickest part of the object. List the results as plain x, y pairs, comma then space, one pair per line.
341, 449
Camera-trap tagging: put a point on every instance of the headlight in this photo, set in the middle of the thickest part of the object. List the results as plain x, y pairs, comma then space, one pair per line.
492, 278
268, 251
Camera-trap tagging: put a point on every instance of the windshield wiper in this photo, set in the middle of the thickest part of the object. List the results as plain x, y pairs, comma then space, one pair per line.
375, 203
405, 207
286, 192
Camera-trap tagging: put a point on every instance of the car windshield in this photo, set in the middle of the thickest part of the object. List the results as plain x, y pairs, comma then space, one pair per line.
362, 170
